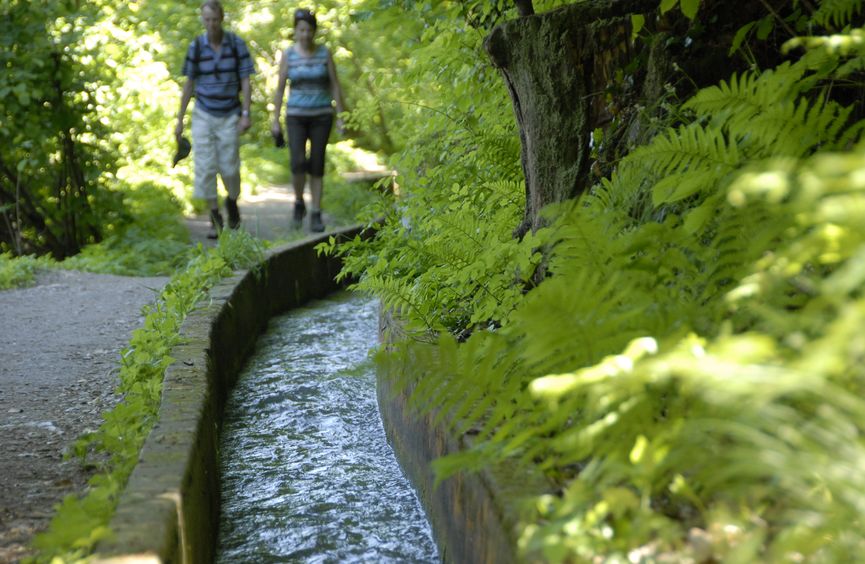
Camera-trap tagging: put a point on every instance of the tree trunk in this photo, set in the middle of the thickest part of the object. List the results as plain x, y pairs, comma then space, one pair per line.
556, 66
560, 69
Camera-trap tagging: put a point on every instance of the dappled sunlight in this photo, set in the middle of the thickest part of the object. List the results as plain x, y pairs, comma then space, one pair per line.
270, 194
349, 157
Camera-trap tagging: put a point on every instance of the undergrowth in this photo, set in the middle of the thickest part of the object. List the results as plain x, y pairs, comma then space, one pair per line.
688, 373
154, 242
16, 272
151, 241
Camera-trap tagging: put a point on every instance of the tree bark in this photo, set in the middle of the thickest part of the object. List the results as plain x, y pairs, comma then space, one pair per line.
524, 7
560, 69
556, 66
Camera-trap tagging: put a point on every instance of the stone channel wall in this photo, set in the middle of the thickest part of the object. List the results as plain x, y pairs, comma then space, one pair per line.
475, 517
169, 511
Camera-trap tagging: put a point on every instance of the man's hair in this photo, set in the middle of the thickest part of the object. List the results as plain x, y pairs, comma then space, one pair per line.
304, 15
214, 5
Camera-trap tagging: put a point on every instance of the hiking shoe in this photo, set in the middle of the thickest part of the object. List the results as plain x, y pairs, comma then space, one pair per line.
315, 223
299, 212
233, 213
215, 224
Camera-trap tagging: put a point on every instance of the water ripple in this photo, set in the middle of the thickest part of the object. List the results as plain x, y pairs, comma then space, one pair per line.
307, 473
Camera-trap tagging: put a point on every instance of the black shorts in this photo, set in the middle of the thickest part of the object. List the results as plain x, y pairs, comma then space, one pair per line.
317, 130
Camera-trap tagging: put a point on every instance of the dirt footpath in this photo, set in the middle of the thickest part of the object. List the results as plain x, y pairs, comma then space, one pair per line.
59, 350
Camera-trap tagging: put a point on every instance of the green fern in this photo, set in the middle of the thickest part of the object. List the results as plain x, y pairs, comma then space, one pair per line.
836, 12
763, 110
748, 93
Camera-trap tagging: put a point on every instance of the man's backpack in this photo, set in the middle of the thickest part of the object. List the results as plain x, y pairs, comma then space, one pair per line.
232, 44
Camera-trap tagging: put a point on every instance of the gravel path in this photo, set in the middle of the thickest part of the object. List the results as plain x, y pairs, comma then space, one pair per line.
59, 350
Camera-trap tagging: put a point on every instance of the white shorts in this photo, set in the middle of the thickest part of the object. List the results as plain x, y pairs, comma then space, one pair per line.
215, 148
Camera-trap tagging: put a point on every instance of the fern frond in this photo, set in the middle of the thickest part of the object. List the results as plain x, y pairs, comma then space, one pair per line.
836, 13
687, 160
689, 147
401, 295
747, 94
796, 129
624, 199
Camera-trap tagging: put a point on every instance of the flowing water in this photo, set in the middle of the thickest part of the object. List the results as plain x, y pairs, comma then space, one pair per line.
307, 473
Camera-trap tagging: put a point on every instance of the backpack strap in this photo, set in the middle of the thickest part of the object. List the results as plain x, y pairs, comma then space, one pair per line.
232, 43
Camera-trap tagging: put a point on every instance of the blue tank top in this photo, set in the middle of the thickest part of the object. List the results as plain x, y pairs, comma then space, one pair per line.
309, 92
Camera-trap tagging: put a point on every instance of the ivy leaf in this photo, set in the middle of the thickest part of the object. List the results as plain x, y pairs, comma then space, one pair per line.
667, 5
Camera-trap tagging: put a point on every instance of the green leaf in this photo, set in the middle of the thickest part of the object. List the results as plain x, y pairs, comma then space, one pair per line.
741, 33
698, 217
676, 187
22, 93
637, 23
689, 8
766, 26
667, 5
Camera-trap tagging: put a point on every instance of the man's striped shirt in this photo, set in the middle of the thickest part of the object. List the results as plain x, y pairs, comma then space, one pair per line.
217, 75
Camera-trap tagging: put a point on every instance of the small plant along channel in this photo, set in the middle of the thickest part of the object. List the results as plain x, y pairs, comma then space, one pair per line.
307, 473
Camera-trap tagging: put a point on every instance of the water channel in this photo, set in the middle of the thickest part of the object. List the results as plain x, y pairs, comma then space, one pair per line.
307, 473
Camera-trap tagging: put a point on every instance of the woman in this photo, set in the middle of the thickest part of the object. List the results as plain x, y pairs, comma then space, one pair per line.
309, 112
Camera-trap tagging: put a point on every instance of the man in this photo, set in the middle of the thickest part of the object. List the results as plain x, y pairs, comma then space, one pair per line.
217, 70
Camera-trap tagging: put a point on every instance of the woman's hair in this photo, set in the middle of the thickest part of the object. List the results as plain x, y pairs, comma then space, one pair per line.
214, 5
304, 15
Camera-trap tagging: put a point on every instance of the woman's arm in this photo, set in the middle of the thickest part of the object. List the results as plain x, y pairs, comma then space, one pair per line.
276, 128
335, 90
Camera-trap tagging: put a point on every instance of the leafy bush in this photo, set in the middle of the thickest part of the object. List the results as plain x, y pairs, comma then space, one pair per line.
445, 250
20, 271
154, 242
688, 373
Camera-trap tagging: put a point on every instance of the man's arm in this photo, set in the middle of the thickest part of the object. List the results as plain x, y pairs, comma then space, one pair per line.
185, 97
